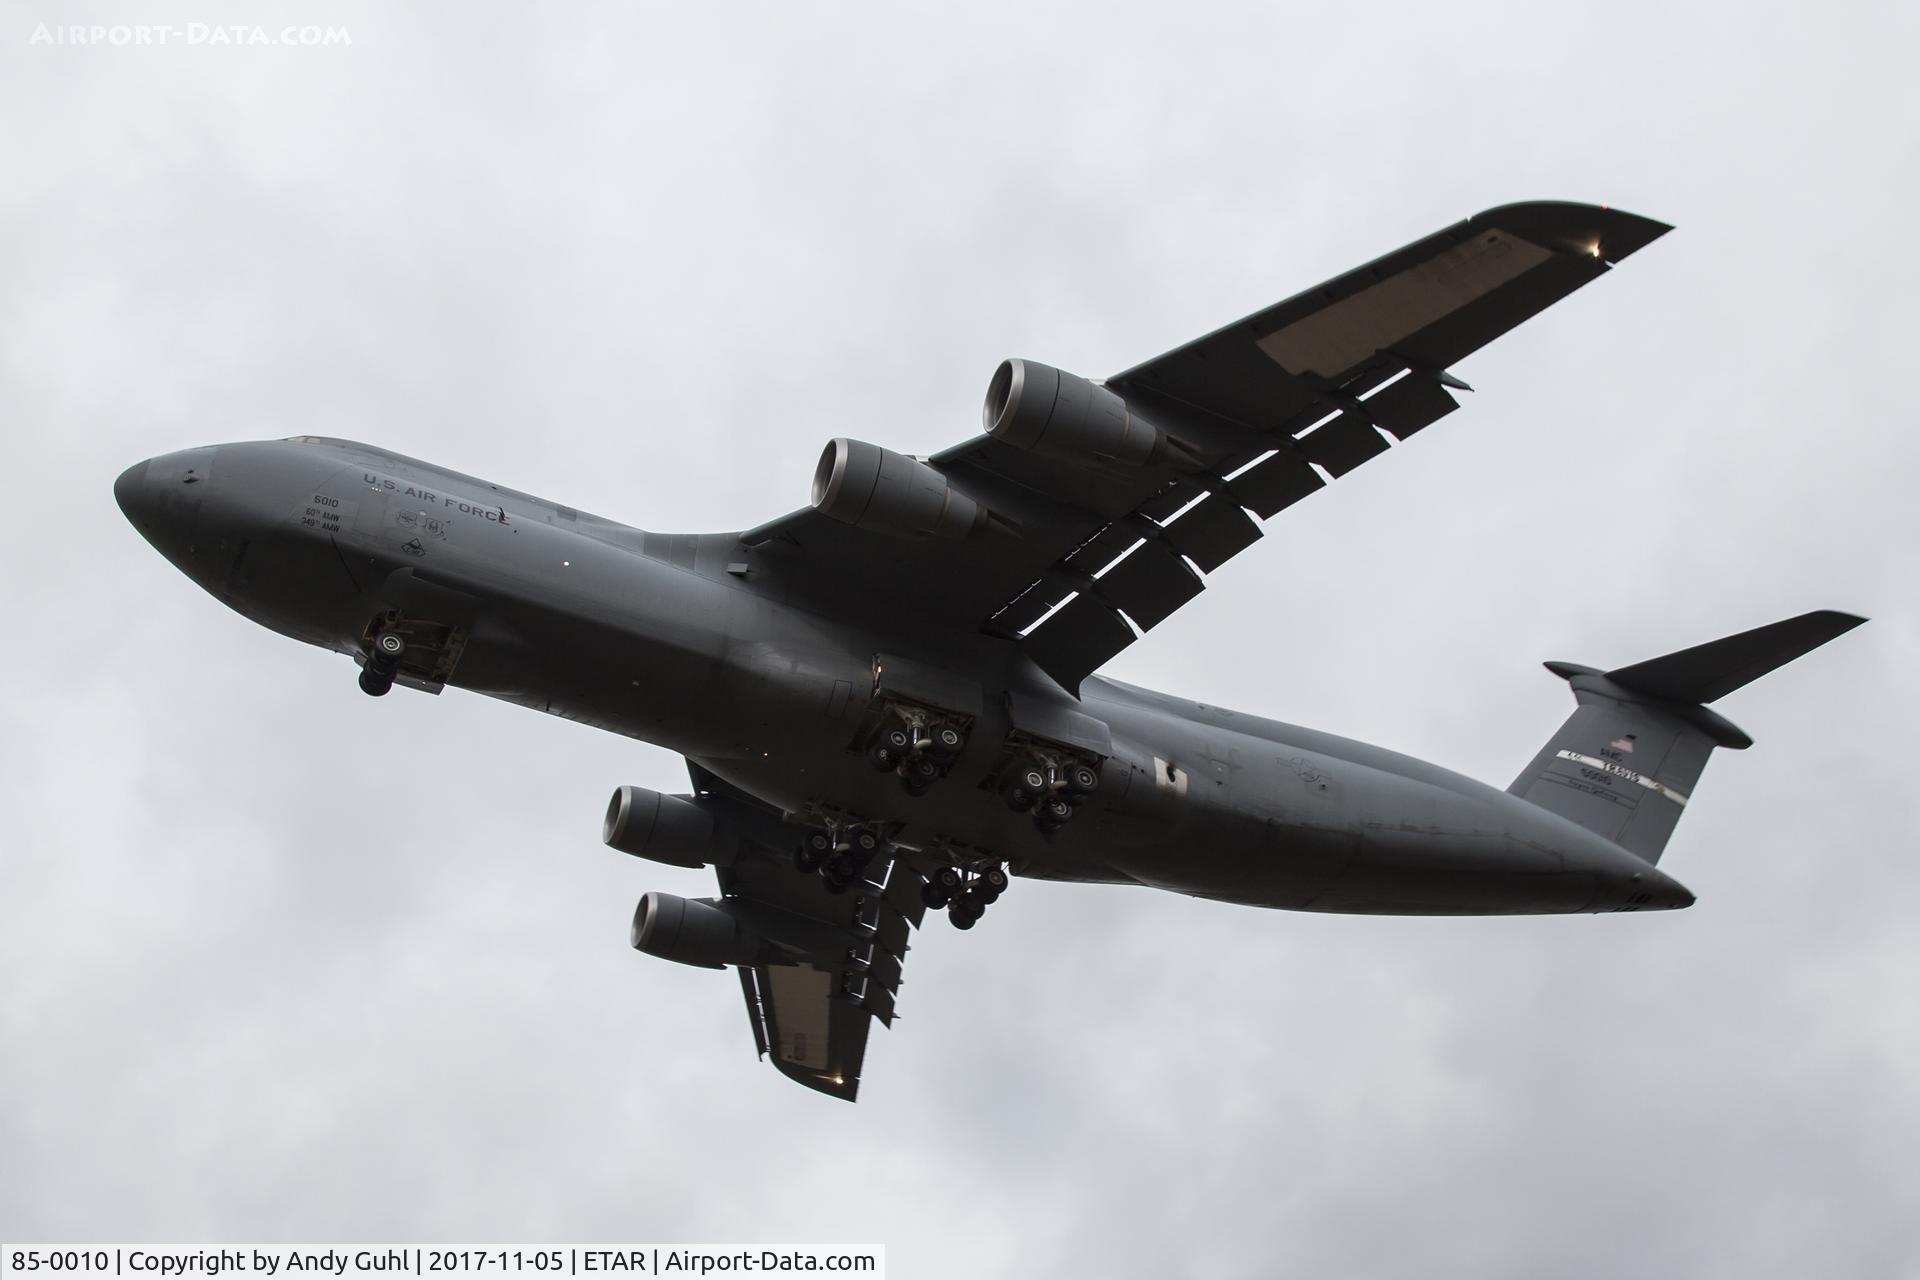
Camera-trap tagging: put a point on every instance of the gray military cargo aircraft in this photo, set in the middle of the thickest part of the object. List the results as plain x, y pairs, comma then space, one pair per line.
887, 699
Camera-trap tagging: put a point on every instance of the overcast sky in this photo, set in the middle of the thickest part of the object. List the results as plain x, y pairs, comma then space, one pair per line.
285, 962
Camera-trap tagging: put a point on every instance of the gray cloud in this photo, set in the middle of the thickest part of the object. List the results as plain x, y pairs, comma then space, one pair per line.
284, 962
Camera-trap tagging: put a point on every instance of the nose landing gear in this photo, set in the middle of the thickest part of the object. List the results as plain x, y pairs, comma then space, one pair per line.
416, 652
383, 660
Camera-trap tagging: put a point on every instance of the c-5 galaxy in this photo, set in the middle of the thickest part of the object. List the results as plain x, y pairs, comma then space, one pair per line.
887, 700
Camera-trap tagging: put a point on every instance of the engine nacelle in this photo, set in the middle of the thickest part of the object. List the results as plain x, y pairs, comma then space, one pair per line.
872, 488
696, 931
670, 829
1037, 407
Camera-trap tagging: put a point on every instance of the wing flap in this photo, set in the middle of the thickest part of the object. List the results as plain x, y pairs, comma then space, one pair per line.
1410, 404
1150, 584
1213, 532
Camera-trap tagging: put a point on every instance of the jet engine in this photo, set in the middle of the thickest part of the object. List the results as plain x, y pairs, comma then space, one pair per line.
1036, 407
675, 830
696, 931
872, 488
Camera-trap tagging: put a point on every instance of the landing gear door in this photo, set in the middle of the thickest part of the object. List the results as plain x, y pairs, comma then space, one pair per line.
1047, 719
904, 680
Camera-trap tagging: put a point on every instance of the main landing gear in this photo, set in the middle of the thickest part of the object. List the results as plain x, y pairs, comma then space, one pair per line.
839, 856
919, 750
966, 898
1049, 790
383, 659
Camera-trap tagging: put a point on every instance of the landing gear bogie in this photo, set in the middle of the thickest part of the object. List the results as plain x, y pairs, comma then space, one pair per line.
916, 744
965, 897
839, 855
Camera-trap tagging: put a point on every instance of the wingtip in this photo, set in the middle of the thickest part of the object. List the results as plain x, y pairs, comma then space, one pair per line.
1596, 229
834, 1086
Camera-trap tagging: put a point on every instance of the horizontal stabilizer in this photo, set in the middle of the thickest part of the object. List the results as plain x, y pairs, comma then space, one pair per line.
1715, 669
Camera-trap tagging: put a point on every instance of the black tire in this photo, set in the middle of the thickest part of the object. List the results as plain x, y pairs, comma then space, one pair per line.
948, 740
1020, 800
948, 879
1031, 778
897, 738
915, 789
375, 684
922, 770
882, 757
1055, 810
820, 844
864, 845
934, 896
1082, 779
836, 884
995, 879
843, 866
806, 860
961, 917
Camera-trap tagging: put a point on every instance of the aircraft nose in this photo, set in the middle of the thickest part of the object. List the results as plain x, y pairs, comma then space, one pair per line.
162, 496
130, 491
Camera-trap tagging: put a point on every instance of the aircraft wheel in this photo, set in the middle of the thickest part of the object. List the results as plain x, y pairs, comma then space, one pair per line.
375, 684
865, 845
948, 879
1055, 811
835, 882
994, 880
389, 647
948, 741
963, 917
1020, 799
897, 739
933, 896
882, 757
922, 770
1082, 779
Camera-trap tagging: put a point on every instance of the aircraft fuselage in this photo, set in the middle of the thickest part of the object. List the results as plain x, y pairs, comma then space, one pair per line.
686, 641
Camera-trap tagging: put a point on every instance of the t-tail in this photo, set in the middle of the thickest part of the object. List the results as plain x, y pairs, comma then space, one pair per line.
1625, 763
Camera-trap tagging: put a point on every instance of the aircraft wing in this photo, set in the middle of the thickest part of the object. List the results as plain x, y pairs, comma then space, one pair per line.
813, 1018
1083, 555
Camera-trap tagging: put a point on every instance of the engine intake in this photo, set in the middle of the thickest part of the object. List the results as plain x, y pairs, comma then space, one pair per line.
697, 931
675, 830
1036, 407
872, 488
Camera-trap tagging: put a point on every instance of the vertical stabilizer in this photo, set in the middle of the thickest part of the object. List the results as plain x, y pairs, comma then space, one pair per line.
1626, 761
